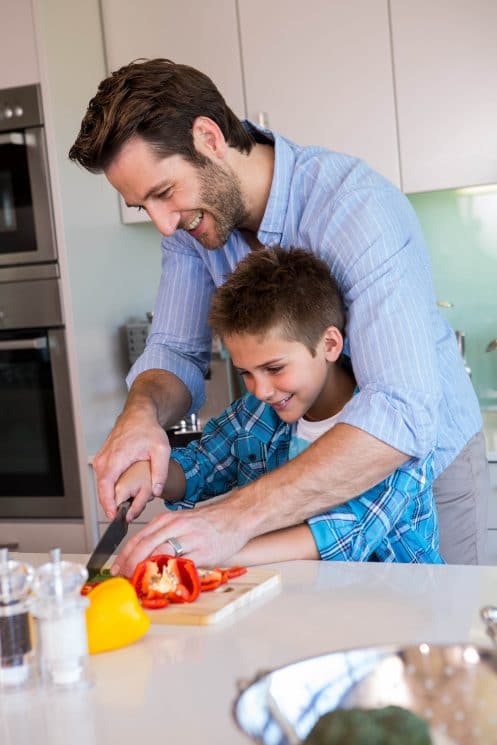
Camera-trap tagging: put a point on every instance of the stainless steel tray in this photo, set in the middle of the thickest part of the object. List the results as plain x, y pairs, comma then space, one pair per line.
454, 688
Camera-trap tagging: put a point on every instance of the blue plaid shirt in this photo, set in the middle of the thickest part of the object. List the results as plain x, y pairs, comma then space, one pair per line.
396, 520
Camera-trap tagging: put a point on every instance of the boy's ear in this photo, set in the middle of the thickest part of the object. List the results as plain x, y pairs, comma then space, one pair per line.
333, 343
208, 138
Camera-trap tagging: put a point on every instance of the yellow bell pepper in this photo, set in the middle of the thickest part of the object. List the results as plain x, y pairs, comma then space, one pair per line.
114, 617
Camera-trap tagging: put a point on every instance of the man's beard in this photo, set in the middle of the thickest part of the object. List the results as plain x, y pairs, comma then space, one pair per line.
220, 191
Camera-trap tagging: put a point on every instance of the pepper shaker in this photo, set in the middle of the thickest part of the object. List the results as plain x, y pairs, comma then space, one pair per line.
17, 661
60, 611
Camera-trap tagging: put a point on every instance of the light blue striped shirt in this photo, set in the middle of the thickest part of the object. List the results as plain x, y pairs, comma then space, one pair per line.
414, 392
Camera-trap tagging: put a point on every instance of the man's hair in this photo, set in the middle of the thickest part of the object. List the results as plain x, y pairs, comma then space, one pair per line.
157, 100
292, 290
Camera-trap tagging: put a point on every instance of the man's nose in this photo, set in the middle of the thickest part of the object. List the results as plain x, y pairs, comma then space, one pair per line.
166, 221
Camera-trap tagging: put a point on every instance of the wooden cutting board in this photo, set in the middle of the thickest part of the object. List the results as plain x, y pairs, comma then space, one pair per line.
216, 605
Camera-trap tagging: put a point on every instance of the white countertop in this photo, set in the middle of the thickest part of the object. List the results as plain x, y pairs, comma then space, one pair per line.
178, 684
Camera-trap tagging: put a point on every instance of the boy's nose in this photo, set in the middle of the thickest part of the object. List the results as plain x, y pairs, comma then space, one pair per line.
263, 391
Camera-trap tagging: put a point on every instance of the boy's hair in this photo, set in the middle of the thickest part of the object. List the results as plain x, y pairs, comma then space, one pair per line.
157, 100
291, 289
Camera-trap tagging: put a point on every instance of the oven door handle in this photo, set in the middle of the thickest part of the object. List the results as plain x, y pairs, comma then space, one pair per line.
39, 342
12, 138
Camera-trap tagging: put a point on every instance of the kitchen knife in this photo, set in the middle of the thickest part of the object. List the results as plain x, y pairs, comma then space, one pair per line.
110, 540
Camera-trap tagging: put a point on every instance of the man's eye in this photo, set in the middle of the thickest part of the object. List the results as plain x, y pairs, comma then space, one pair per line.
274, 370
164, 194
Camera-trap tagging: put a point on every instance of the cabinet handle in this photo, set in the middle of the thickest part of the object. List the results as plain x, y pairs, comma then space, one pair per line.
10, 546
9, 346
263, 119
12, 138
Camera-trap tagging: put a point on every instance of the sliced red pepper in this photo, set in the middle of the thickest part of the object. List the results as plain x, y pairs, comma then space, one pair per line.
153, 603
182, 571
210, 579
235, 571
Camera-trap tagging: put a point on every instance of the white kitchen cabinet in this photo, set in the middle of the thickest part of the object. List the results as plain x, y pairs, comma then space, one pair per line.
320, 73
18, 56
43, 535
445, 63
203, 35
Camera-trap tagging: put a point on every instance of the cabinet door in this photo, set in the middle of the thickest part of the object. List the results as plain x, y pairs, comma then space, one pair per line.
199, 34
321, 72
203, 35
18, 57
445, 63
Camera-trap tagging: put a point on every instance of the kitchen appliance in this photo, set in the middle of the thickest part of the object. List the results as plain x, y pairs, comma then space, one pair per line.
452, 686
110, 540
27, 233
39, 470
38, 456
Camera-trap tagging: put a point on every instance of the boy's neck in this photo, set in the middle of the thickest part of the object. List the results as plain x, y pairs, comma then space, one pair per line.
338, 390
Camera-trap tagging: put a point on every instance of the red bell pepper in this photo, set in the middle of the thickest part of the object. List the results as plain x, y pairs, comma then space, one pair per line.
164, 579
210, 579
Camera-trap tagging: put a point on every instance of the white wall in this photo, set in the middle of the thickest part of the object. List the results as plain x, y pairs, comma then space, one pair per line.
112, 270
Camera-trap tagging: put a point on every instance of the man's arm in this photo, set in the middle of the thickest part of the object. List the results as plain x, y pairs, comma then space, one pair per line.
340, 465
157, 399
166, 377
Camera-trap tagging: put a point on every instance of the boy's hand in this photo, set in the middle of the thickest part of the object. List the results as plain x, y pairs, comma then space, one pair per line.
136, 482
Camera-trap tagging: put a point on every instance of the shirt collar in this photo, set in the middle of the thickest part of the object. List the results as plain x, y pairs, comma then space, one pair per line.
272, 225
263, 422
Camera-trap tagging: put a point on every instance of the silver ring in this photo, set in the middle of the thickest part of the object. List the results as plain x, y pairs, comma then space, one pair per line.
177, 547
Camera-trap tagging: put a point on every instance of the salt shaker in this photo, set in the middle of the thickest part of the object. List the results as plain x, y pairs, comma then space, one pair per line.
17, 661
60, 612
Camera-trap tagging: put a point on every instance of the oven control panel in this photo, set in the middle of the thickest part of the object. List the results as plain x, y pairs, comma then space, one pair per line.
20, 108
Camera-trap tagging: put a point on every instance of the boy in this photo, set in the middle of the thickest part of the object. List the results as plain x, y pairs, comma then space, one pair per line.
280, 316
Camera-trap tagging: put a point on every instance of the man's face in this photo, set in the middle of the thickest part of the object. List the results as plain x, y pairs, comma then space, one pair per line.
203, 199
284, 374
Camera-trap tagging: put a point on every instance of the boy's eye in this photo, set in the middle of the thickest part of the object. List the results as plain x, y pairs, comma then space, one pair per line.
275, 370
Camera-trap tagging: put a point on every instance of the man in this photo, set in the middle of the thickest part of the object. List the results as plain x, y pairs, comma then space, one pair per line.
216, 189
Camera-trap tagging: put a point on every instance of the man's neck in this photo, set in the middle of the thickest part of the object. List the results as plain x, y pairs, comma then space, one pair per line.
255, 173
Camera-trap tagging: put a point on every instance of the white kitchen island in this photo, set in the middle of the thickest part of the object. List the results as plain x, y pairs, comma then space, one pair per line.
178, 684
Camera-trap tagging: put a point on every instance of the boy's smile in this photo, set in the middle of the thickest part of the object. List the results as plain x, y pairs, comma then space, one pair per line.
284, 374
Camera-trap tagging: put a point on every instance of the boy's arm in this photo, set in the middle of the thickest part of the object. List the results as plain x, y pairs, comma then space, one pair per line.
287, 544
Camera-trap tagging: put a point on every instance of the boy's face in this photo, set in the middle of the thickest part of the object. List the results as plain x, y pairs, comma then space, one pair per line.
205, 201
284, 374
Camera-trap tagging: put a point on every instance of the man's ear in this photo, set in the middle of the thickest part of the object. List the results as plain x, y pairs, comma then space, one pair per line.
208, 138
333, 343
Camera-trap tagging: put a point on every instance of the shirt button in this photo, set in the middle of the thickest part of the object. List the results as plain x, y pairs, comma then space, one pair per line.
252, 457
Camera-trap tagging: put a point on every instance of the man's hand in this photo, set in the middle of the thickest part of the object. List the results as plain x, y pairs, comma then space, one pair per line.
134, 438
156, 398
207, 535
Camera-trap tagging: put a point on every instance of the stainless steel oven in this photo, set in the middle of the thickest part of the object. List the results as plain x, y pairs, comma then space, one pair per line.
26, 217
39, 474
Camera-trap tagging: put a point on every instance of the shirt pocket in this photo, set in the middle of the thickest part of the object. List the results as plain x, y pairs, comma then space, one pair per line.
251, 458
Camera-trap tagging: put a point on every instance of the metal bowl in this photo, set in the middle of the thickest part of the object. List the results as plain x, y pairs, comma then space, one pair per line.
452, 687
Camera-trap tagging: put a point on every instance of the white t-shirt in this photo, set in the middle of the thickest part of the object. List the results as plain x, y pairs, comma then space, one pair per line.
304, 432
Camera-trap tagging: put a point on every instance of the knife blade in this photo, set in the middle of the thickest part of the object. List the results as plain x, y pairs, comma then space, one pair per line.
110, 540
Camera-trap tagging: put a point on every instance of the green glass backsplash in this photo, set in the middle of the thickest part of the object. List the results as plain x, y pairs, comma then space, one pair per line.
460, 227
